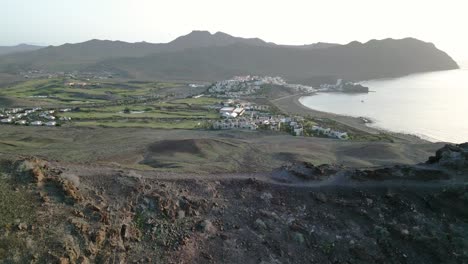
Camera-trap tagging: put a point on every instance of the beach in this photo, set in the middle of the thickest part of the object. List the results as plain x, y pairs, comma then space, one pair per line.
293, 106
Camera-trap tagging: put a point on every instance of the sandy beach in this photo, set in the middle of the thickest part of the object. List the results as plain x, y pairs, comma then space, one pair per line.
292, 105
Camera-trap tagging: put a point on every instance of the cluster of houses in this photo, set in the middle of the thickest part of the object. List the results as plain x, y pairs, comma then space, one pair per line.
236, 114
40, 74
240, 123
236, 108
77, 84
344, 87
231, 111
330, 132
235, 88
35, 116
247, 85
82, 84
273, 123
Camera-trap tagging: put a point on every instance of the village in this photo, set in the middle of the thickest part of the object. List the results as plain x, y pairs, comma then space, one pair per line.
41, 74
238, 114
34, 116
233, 114
230, 104
344, 87
248, 85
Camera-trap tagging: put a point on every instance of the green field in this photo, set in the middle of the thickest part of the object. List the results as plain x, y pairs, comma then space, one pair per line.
198, 101
181, 124
114, 103
173, 114
57, 91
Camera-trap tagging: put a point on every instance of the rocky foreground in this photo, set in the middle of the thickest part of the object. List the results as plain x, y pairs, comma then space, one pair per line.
298, 214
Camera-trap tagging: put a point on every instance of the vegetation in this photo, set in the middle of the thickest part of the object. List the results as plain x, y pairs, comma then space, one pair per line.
16, 206
116, 103
58, 91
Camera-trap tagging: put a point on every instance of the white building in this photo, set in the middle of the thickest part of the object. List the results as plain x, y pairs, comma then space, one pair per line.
231, 112
239, 111
36, 123
226, 109
21, 122
298, 131
51, 123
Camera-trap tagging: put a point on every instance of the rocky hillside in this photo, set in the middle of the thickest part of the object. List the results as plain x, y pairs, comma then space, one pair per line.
62, 213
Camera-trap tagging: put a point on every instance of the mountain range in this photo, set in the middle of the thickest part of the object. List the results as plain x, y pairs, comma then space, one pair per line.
18, 48
203, 56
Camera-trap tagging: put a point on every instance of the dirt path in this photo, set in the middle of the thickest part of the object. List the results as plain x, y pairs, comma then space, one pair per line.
341, 179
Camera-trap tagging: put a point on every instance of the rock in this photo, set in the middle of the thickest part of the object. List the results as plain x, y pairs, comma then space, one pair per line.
83, 260
71, 248
207, 227
38, 174
266, 196
64, 260
180, 214
22, 226
100, 236
80, 226
453, 156
321, 197
307, 171
361, 253
298, 237
296, 225
207, 256
405, 232
78, 213
32, 168
260, 225
71, 190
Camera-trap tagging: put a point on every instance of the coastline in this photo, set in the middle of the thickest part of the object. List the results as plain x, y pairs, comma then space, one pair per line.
292, 105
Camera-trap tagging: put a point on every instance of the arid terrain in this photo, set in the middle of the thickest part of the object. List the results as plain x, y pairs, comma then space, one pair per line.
198, 151
217, 197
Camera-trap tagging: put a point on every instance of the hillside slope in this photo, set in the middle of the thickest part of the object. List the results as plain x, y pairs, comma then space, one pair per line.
77, 56
355, 61
301, 214
18, 48
201, 55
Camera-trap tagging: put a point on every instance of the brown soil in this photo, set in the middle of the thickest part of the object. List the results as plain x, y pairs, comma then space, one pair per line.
190, 146
129, 216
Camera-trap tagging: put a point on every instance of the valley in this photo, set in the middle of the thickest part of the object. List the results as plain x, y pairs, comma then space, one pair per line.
199, 151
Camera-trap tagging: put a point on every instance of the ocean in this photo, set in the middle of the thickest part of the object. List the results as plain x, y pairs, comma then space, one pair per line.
433, 105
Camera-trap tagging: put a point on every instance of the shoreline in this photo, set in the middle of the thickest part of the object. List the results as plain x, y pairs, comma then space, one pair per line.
292, 105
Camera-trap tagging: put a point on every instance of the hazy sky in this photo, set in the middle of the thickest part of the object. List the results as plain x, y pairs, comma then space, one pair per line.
55, 22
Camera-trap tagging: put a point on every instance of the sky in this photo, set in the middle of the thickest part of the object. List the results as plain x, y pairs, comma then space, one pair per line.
55, 22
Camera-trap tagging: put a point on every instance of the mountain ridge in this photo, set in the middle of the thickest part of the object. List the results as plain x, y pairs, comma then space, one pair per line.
374, 60
201, 55
18, 48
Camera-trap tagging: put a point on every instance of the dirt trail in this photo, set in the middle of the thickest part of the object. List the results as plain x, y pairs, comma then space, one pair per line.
341, 179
